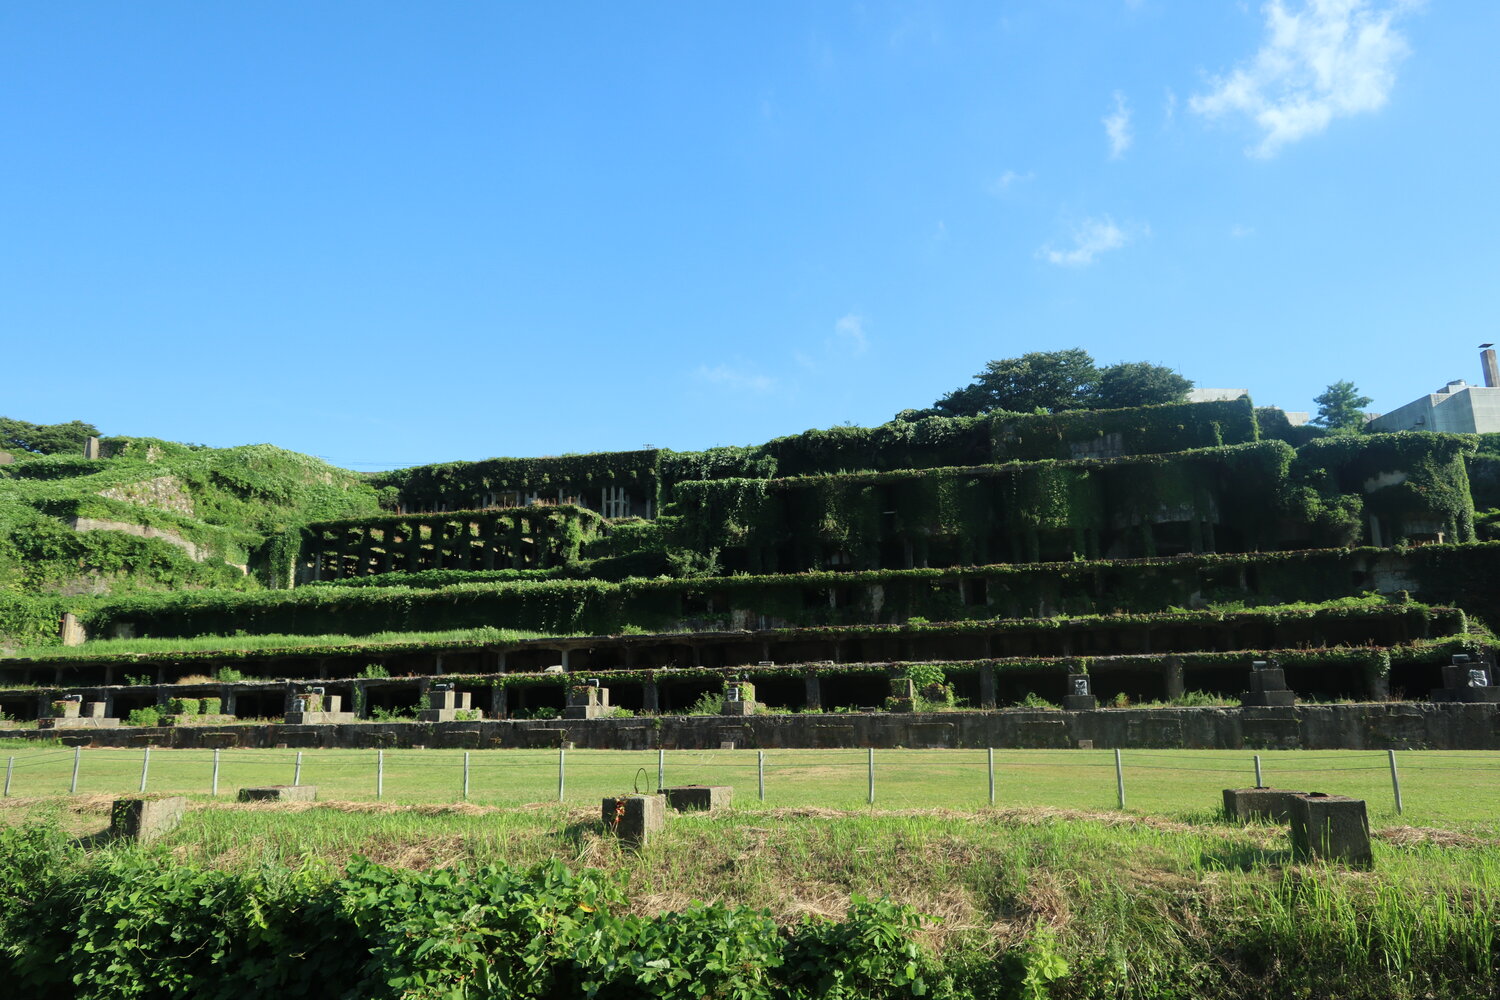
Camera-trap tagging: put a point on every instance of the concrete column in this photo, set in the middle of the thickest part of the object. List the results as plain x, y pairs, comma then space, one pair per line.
1172, 675
362, 699
228, 701
650, 697
987, 686
499, 702
813, 686
566, 656
437, 664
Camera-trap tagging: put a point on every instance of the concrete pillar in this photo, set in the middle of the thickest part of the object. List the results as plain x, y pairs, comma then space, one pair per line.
650, 697
228, 699
362, 699
813, 686
1172, 676
987, 686
499, 702
437, 664
566, 656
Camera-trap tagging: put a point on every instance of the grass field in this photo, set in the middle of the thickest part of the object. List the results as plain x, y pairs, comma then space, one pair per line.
1162, 899
1448, 789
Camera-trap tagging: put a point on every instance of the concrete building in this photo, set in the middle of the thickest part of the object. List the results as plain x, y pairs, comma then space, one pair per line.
1457, 408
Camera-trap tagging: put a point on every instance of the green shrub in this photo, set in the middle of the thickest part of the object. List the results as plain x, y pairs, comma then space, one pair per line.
374, 671
228, 675
1034, 700
143, 717
183, 706
708, 703
212, 706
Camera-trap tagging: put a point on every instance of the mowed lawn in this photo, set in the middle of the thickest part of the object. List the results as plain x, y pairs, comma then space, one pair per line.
1459, 790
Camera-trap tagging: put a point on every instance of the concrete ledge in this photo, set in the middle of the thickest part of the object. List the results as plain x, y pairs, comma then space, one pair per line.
279, 793
1369, 726
1270, 804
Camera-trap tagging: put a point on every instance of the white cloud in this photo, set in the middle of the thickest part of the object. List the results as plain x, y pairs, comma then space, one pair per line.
849, 332
1241, 232
1003, 183
735, 378
1330, 59
1094, 237
1117, 127
1169, 106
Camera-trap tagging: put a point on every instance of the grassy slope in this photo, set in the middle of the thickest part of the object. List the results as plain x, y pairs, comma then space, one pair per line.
1143, 906
237, 497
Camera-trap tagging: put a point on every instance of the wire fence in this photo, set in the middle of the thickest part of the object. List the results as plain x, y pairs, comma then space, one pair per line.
1442, 784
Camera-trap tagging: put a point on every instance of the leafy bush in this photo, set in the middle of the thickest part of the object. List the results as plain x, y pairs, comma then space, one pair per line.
212, 706
228, 675
183, 706
374, 671
143, 717
708, 703
1034, 700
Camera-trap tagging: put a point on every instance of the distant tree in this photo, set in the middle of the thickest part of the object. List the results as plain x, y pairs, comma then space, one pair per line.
45, 439
1341, 408
1137, 383
1046, 380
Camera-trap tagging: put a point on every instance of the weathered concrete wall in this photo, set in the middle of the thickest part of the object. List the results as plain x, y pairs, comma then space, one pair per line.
1375, 726
148, 531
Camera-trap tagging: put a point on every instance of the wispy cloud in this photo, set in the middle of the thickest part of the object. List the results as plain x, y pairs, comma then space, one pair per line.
1092, 238
1241, 232
1169, 107
849, 333
1329, 59
1007, 180
1117, 127
737, 377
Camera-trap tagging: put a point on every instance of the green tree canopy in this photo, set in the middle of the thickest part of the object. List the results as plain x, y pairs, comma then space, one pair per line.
1341, 408
1138, 383
45, 439
1061, 380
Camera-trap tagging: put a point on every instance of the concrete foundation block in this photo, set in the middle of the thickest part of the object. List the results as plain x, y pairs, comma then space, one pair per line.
686, 797
635, 819
1268, 699
1243, 805
145, 819
1080, 702
279, 793
738, 708
1330, 828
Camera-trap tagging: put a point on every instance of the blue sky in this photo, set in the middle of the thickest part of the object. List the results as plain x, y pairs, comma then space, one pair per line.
390, 234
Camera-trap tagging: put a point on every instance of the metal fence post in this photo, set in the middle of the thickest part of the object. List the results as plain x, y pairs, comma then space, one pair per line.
466, 775
871, 759
661, 768
297, 770
1119, 779
216, 772
1258, 782
10, 765
760, 773
990, 753
1395, 781
77, 755
145, 766
561, 771
380, 774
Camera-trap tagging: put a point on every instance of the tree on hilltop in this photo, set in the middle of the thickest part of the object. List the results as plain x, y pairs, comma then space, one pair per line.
46, 439
1341, 408
1061, 380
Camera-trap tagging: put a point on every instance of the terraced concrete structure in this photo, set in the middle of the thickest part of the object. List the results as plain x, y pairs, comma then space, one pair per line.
1158, 551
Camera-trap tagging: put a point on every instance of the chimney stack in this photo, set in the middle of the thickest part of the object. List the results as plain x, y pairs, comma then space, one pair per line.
1491, 372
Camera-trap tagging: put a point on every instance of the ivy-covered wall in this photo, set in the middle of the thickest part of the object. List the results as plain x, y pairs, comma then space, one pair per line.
1141, 430
1215, 498
1460, 575
534, 537
495, 482
1413, 486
